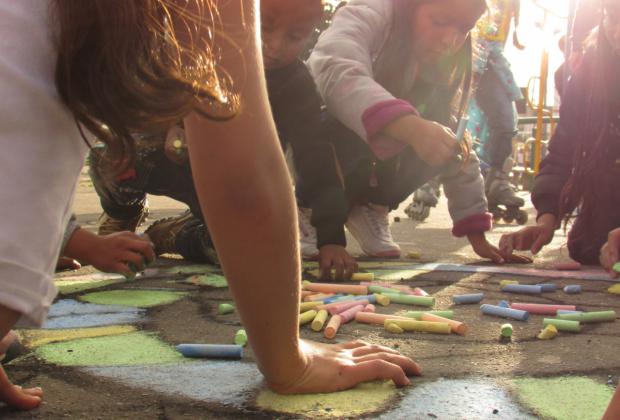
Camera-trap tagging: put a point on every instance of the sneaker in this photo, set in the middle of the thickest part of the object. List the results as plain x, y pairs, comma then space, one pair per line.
370, 226
307, 234
163, 232
108, 224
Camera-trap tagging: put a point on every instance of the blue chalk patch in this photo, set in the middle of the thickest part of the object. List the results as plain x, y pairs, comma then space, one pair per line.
69, 313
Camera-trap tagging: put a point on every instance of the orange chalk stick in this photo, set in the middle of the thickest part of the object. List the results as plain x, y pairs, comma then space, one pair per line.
351, 289
341, 307
318, 296
377, 319
369, 308
455, 326
332, 327
306, 293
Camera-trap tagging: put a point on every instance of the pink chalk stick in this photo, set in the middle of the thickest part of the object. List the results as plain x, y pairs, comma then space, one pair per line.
419, 292
332, 326
351, 289
567, 266
318, 296
540, 308
341, 307
369, 308
328, 306
349, 314
377, 319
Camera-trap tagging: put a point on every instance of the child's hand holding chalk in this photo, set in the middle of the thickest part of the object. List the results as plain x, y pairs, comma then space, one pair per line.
610, 253
336, 258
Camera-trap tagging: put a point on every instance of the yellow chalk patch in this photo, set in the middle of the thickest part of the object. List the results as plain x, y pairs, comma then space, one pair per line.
615, 289
364, 399
36, 338
73, 286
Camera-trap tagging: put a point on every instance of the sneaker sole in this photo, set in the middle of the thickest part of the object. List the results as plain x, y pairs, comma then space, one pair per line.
386, 254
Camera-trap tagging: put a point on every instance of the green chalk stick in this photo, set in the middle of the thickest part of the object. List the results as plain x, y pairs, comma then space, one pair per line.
563, 324
241, 338
225, 308
506, 330
382, 289
410, 299
418, 314
616, 267
600, 316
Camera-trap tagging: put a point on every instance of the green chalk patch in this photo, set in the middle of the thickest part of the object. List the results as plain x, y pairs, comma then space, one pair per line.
212, 280
135, 298
225, 308
66, 287
567, 397
138, 348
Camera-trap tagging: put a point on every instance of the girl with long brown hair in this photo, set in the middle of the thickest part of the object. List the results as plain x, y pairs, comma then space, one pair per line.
111, 67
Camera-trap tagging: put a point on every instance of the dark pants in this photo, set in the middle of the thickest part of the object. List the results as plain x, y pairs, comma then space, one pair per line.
500, 114
155, 174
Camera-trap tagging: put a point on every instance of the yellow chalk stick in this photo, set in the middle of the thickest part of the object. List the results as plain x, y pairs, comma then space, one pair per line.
548, 333
319, 320
306, 306
421, 326
363, 276
382, 299
615, 289
413, 255
332, 326
504, 283
307, 316
393, 328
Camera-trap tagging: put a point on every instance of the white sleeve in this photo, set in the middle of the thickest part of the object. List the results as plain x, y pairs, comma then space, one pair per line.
41, 155
342, 61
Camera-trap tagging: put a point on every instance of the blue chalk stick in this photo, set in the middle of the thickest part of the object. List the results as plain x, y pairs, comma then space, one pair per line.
564, 311
572, 289
522, 288
333, 298
369, 298
547, 287
215, 351
465, 299
504, 312
503, 304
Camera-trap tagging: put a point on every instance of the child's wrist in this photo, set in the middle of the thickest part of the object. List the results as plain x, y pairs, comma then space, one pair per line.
547, 221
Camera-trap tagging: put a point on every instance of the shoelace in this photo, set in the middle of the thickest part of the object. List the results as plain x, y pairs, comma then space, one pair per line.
379, 224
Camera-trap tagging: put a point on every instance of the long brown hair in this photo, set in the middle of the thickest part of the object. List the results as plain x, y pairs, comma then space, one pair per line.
138, 65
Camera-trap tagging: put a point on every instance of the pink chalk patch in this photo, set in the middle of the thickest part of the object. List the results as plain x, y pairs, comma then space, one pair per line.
567, 266
419, 292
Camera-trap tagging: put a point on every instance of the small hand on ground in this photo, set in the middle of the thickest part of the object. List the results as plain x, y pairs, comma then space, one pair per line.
530, 238
337, 258
485, 249
18, 397
112, 253
610, 252
336, 367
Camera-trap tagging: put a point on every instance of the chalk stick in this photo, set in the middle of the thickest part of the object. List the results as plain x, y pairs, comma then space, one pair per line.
214, 351
307, 316
349, 314
547, 287
503, 283
225, 308
341, 307
418, 314
332, 327
419, 292
382, 299
615, 289
468, 298
393, 328
382, 289
522, 288
503, 304
567, 266
413, 255
352, 289
590, 317
306, 306
572, 289
363, 276
337, 298
390, 285
319, 320
548, 333
369, 308
241, 338
561, 311
504, 312
410, 299
563, 324
616, 267
455, 326
305, 293
506, 330
541, 308
420, 326
318, 297
376, 319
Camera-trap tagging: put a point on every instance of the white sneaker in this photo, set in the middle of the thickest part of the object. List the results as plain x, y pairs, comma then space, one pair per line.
370, 226
307, 234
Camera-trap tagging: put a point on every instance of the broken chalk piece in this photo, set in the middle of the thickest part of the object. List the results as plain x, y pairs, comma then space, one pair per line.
567, 266
419, 292
369, 308
393, 328
455, 326
215, 351
507, 282
506, 330
468, 298
225, 308
572, 289
319, 320
363, 276
547, 287
381, 299
332, 327
541, 308
503, 304
549, 332
411, 299
306, 306
563, 324
522, 288
504, 312
418, 314
307, 316
420, 326
241, 338
589, 317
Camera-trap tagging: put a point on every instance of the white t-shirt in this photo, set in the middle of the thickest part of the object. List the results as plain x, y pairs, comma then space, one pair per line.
41, 155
